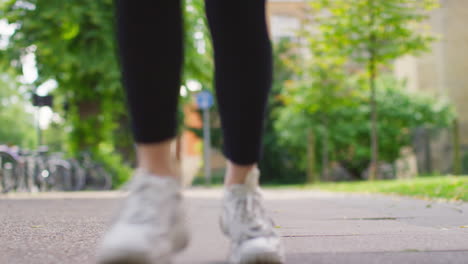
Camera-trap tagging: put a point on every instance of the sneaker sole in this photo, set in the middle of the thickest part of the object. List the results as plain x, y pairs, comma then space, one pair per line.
261, 259
180, 237
132, 259
254, 252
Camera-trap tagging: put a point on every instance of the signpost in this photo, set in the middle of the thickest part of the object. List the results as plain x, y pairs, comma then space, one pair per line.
205, 102
40, 101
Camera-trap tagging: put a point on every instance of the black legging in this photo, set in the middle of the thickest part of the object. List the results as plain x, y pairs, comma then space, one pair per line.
151, 53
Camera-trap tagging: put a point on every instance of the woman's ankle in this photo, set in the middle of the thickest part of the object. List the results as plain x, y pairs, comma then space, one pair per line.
157, 159
236, 174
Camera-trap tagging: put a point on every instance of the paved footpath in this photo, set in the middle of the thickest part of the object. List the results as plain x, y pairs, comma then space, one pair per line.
316, 228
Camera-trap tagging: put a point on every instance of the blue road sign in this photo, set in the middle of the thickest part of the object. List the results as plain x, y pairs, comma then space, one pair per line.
204, 100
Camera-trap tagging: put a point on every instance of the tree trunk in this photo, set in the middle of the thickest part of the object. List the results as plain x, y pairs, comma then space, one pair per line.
312, 177
87, 110
374, 133
457, 162
325, 174
123, 141
374, 167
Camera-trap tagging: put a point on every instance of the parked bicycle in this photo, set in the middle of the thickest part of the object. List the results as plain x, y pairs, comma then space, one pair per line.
96, 177
39, 170
8, 172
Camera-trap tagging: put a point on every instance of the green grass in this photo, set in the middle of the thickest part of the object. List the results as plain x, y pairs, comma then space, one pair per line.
427, 187
446, 187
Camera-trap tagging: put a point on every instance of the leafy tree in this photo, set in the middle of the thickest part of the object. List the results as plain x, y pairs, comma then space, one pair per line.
400, 112
278, 162
319, 89
373, 33
74, 44
16, 125
198, 49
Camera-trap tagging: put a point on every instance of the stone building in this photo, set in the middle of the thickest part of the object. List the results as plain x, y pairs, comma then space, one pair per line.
285, 17
443, 73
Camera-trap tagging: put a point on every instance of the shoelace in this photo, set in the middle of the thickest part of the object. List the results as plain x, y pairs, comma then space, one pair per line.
146, 199
250, 212
140, 214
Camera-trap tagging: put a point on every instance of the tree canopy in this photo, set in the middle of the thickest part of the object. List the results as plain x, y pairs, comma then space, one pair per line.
74, 44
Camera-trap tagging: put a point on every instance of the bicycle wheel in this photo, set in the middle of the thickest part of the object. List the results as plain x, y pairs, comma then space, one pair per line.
40, 174
78, 175
60, 175
29, 171
22, 176
8, 177
98, 178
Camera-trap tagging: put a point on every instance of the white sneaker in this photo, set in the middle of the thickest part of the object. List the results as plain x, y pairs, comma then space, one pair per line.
150, 228
244, 221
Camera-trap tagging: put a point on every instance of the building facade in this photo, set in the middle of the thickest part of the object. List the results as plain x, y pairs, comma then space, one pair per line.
443, 73
285, 17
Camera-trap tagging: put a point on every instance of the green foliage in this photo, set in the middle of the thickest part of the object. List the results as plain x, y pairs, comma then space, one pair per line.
345, 43
399, 113
278, 162
372, 34
16, 124
54, 137
358, 28
198, 62
114, 164
74, 44
198, 49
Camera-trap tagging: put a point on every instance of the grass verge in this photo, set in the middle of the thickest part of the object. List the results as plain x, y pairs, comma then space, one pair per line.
446, 187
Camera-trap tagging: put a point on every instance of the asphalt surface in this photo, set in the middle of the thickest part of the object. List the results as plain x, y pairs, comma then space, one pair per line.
316, 227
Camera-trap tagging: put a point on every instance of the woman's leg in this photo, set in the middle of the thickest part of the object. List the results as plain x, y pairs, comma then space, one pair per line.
151, 52
243, 76
150, 226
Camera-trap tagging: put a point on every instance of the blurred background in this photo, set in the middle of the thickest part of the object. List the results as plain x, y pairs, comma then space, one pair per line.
363, 90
